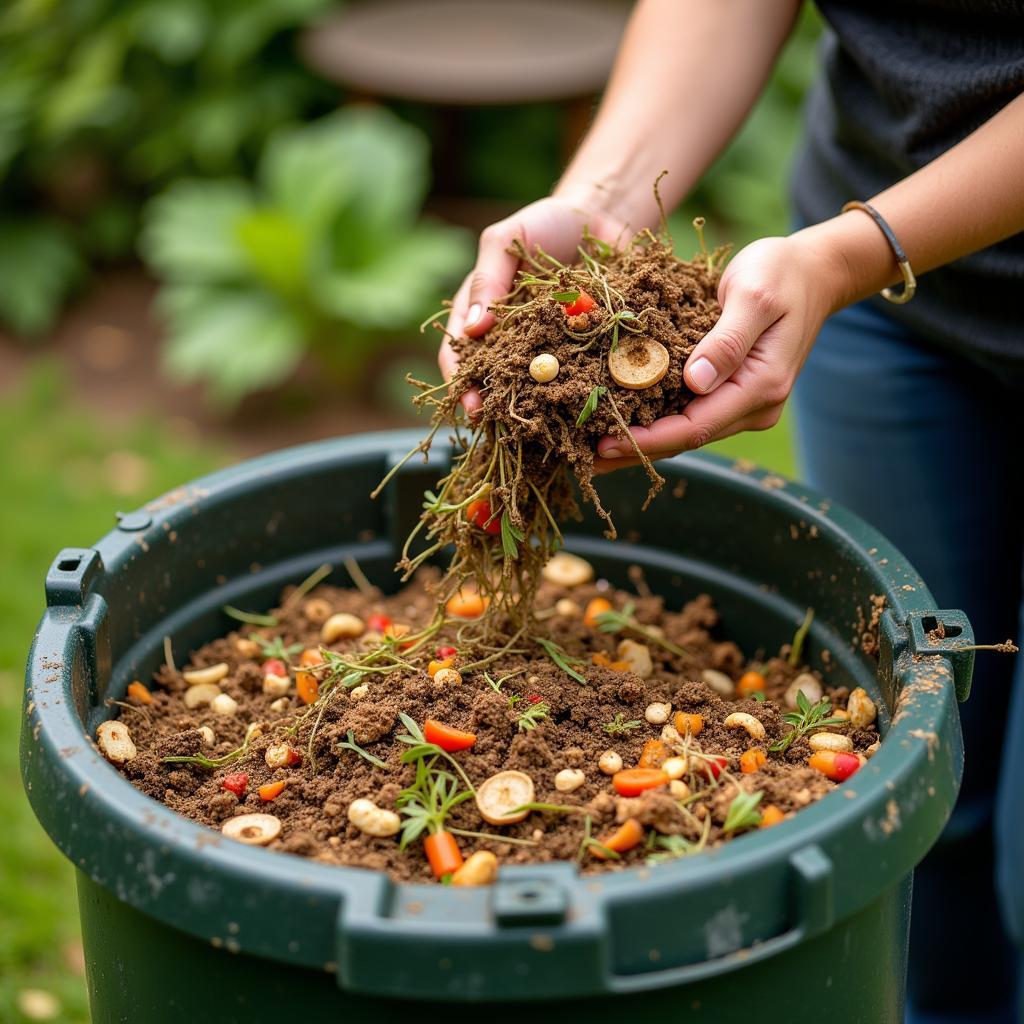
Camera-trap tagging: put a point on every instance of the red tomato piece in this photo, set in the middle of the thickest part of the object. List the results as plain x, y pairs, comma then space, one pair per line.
583, 303
275, 667
444, 651
236, 782
447, 738
378, 623
479, 512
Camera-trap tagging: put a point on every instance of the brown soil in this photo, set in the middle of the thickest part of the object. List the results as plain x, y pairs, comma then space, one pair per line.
672, 301
313, 805
517, 456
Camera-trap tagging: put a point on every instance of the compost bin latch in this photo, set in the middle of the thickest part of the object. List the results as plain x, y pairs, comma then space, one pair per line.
79, 613
474, 944
946, 632
71, 576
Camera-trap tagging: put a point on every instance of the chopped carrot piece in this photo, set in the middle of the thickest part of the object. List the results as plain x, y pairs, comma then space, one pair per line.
629, 834
467, 604
138, 693
602, 659
306, 685
619, 666
269, 790
653, 754
688, 723
435, 666
443, 853
598, 606
634, 781
751, 760
447, 738
750, 682
771, 815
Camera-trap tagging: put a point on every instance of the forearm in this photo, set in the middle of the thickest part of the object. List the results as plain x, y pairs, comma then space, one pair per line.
686, 76
967, 199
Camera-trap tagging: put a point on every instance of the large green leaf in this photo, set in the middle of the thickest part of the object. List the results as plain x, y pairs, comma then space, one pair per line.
397, 288
190, 231
362, 164
39, 266
235, 341
275, 247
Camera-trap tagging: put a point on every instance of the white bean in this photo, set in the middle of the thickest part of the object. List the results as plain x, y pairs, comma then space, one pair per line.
808, 685
544, 368
718, 681
210, 674
276, 686
830, 741
341, 626
610, 762
637, 657
224, 705
196, 696
447, 677
373, 820
115, 742
741, 720
569, 779
657, 713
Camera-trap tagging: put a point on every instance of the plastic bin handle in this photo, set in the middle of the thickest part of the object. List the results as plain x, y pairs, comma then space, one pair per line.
813, 914
565, 951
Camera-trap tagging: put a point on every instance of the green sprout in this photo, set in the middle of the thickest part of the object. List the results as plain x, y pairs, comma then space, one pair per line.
808, 716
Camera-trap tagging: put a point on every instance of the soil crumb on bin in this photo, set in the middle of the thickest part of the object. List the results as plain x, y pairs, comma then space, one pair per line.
527, 713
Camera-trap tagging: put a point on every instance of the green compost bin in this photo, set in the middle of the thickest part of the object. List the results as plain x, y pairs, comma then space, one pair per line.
807, 921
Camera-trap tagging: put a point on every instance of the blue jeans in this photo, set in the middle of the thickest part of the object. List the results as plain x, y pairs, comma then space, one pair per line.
929, 448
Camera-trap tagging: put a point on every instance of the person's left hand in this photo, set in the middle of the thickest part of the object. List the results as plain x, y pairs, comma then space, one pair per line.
775, 295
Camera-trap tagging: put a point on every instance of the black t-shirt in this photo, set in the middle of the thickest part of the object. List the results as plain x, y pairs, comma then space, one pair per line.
902, 82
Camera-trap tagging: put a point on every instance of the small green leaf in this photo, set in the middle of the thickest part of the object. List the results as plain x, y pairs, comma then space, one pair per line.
565, 296
510, 534
561, 658
590, 406
797, 648
743, 812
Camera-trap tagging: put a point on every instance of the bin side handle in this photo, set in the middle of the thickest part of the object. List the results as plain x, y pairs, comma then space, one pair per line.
813, 914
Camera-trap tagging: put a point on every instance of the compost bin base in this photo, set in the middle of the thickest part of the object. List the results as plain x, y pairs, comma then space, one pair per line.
854, 974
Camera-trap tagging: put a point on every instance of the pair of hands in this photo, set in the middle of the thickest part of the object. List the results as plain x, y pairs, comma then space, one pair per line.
774, 294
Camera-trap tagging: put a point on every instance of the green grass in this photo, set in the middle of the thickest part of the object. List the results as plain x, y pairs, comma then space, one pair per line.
771, 449
60, 483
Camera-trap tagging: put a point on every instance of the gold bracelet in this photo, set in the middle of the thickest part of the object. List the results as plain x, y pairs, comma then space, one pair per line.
909, 281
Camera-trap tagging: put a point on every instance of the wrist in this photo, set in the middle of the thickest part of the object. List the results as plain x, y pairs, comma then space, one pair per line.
600, 201
854, 257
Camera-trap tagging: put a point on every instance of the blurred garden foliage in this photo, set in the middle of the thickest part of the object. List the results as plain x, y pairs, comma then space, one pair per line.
324, 248
102, 102
190, 131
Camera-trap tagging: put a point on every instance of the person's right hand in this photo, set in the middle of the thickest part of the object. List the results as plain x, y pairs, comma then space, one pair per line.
556, 225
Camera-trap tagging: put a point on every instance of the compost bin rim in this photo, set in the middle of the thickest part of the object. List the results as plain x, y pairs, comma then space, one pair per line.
75, 769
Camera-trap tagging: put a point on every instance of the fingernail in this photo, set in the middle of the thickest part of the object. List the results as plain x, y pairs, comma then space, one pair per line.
703, 374
474, 314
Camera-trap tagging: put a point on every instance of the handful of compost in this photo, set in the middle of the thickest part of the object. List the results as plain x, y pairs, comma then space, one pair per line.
577, 352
